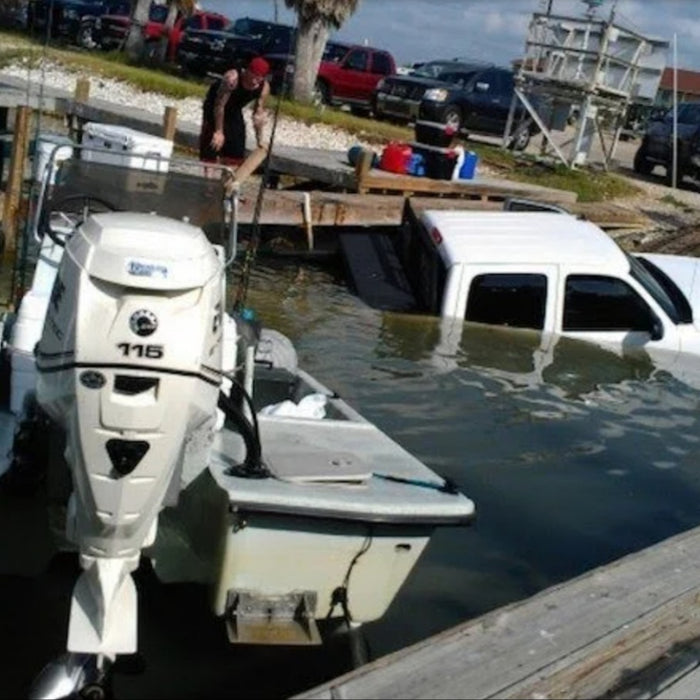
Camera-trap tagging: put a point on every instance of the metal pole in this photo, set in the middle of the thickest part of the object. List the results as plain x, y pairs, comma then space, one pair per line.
675, 111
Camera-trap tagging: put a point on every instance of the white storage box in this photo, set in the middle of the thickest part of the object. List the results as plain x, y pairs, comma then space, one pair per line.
119, 145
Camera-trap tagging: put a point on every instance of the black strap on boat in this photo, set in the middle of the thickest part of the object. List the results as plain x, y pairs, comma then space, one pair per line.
252, 466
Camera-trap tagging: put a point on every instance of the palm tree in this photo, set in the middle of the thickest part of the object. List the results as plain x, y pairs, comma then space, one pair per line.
135, 40
315, 19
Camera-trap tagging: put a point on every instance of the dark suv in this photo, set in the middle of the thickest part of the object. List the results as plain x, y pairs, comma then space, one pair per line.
657, 144
477, 98
212, 51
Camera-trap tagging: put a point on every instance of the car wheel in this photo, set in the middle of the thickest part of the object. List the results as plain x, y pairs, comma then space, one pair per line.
321, 94
641, 165
84, 37
453, 117
521, 138
360, 111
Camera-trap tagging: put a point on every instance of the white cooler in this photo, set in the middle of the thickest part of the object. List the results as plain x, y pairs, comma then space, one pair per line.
125, 147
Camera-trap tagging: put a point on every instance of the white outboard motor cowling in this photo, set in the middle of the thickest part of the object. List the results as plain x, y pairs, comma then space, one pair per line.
129, 365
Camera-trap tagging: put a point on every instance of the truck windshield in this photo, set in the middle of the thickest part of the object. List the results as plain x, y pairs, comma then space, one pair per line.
662, 288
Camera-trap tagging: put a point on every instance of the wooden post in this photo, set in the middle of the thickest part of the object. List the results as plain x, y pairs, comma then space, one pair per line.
82, 90
13, 191
364, 163
254, 160
169, 123
81, 94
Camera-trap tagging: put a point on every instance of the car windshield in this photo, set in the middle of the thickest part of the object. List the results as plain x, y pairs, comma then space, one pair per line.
334, 52
662, 288
248, 27
158, 13
460, 78
431, 70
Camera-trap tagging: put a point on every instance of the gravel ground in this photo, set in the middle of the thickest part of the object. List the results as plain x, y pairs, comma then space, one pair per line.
189, 110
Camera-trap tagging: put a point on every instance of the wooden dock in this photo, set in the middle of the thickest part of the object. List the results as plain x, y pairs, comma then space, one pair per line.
629, 629
337, 194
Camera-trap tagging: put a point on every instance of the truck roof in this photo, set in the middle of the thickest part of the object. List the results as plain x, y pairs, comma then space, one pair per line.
522, 238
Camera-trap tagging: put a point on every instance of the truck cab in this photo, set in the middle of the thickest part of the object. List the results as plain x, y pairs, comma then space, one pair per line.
549, 272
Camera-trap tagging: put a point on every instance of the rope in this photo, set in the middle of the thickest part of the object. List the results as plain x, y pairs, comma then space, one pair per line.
252, 249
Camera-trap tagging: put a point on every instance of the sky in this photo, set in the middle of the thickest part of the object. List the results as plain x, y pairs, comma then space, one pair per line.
492, 30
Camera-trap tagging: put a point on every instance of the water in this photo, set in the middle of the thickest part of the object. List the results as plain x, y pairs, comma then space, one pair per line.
573, 455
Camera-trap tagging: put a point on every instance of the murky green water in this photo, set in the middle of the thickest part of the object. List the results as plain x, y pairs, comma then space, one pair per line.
572, 465
574, 457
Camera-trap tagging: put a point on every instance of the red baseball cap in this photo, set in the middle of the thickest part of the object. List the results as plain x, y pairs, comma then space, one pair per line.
259, 66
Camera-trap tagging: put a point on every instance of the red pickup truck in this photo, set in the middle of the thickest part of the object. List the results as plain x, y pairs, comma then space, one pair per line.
351, 78
111, 30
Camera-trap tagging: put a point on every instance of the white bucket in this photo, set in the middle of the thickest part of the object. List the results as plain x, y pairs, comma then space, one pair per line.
45, 145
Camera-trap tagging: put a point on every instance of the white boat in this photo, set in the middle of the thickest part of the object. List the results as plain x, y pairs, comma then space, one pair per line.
192, 437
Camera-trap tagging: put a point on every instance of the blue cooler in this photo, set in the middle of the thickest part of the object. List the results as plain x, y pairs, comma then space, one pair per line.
466, 172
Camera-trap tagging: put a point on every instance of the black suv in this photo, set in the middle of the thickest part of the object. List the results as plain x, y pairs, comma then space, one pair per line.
477, 98
206, 50
657, 144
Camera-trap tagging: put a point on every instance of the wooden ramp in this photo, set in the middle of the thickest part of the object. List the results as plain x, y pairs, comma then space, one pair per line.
286, 208
585, 638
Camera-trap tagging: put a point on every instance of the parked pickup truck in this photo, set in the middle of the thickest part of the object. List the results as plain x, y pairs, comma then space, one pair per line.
543, 270
352, 78
110, 31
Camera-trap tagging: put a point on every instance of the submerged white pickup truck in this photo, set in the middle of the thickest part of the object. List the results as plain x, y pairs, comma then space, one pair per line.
529, 268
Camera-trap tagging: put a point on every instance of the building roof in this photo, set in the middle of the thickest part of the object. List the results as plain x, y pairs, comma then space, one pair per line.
524, 238
688, 81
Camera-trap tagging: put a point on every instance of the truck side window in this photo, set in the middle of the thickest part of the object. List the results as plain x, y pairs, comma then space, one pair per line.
381, 64
357, 60
600, 303
508, 299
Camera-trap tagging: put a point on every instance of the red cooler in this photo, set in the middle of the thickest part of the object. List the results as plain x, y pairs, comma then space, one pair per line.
395, 158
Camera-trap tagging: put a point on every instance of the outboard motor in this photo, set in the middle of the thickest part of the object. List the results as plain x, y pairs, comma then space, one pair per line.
130, 364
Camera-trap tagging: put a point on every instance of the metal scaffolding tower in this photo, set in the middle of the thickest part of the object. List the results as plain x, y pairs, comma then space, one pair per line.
589, 66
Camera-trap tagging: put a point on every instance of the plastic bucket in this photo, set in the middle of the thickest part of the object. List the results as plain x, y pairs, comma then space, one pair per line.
45, 145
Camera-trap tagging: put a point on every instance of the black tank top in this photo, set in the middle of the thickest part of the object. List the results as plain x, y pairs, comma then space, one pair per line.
238, 99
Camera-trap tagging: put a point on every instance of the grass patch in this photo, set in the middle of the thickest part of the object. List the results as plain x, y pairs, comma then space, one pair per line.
590, 186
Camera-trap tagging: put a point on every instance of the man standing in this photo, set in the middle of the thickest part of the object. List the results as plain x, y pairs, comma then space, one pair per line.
223, 134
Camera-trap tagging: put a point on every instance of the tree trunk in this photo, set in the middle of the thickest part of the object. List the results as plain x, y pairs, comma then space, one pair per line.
162, 54
311, 41
135, 39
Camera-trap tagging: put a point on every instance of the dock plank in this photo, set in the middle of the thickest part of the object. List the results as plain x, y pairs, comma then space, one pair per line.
576, 639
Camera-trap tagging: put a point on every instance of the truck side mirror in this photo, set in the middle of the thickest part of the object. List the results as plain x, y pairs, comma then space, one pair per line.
657, 329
